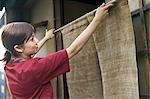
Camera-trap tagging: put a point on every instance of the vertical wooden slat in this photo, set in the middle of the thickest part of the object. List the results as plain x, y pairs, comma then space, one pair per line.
59, 21
143, 24
144, 53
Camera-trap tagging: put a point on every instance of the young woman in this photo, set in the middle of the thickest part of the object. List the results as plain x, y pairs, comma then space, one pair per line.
29, 77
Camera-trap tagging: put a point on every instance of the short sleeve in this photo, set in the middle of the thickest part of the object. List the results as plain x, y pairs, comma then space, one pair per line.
53, 65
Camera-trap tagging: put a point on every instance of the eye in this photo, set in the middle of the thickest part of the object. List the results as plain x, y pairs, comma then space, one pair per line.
32, 38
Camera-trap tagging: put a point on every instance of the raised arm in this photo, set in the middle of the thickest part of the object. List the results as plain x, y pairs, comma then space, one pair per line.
48, 35
81, 40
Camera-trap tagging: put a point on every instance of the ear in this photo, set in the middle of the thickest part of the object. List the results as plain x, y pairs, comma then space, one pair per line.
18, 48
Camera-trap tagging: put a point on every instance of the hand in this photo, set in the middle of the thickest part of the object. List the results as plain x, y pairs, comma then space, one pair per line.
49, 34
102, 11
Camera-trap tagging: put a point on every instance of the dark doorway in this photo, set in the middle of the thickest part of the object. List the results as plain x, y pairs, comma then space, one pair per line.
73, 9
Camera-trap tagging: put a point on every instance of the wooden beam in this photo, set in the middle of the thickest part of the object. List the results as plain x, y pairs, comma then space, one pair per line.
43, 23
143, 26
62, 90
145, 37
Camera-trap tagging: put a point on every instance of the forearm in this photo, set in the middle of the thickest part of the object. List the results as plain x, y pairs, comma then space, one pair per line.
48, 35
41, 43
81, 40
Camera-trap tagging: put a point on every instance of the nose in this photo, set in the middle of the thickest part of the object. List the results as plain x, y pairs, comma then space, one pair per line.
36, 40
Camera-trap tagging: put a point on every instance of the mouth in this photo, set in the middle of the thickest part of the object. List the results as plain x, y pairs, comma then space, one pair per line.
36, 47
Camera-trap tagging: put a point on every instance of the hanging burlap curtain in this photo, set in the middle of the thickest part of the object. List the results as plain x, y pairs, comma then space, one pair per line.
115, 45
84, 80
106, 67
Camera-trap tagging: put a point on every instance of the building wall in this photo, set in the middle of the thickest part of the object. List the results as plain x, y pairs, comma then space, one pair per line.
42, 10
141, 22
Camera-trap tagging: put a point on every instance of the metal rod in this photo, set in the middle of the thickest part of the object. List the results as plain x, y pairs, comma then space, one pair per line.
90, 13
59, 29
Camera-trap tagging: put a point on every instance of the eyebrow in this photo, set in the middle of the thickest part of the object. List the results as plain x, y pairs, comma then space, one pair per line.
29, 38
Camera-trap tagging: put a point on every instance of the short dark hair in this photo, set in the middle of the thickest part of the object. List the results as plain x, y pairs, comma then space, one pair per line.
15, 33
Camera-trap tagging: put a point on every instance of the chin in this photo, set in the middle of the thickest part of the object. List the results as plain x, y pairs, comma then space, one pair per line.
32, 55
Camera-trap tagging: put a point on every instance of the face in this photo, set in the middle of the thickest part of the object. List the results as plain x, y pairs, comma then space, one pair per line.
30, 47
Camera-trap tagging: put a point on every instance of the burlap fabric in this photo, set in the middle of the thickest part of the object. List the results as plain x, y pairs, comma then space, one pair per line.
84, 80
115, 48
115, 45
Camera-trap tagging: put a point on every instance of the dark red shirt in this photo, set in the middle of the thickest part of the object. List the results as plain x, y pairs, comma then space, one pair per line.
31, 78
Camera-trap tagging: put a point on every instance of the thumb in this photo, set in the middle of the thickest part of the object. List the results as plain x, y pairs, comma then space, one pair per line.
103, 4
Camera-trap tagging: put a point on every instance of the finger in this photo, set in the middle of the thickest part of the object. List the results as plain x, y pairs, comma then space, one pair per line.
103, 4
108, 6
111, 2
106, 12
52, 29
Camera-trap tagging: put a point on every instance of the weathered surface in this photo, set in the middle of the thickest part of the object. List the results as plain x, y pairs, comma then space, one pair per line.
115, 48
115, 45
84, 80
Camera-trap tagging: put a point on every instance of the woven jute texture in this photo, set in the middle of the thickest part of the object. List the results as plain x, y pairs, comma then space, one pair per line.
106, 66
115, 45
84, 80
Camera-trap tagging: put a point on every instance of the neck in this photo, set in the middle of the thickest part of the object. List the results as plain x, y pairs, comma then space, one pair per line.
23, 56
